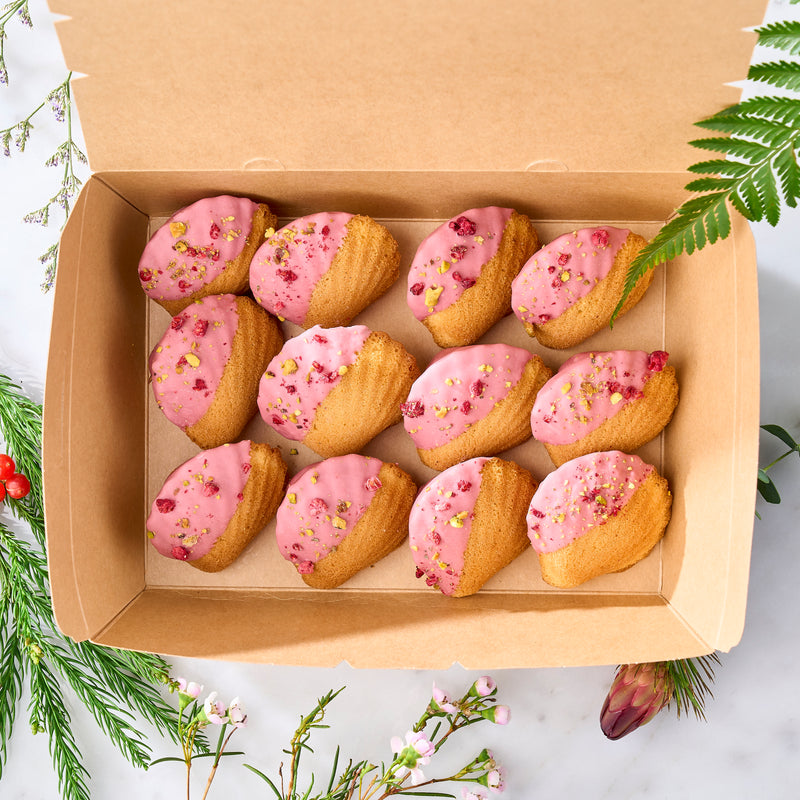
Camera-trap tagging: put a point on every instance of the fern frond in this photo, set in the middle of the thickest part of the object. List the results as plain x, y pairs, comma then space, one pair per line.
784, 35
785, 74
754, 181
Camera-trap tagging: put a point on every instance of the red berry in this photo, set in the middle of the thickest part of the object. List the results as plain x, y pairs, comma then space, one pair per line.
7, 467
2, 492
180, 553
17, 486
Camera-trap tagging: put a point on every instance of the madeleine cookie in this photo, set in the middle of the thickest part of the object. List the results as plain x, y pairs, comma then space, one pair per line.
211, 506
569, 289
468, 523
342, 515
473, 401
335, 389
206, 368
597, 514
203, 249
324, 269
459, 283
616, 400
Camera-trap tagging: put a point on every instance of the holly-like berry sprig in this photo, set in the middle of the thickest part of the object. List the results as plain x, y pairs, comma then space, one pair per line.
12, 483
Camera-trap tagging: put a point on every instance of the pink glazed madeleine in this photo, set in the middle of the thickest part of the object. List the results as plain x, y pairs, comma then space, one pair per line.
342, 515
335, 389
468, 523
203, 249
597, 514
616, 400
459, 284
324, 269
211, 506
205, 370
473, 401
569, 289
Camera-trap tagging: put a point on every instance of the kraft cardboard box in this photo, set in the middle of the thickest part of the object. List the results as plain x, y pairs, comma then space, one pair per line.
411, 114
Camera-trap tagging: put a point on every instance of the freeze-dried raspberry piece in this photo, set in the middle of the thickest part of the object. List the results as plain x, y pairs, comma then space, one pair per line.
600, 237
657, 360
463, 226
165, 504
412, 409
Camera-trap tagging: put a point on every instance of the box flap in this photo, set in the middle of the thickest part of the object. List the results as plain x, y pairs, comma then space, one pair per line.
582, 85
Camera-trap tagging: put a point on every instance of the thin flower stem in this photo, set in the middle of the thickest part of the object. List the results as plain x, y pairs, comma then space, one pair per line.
12, 9
216, 763
779, 458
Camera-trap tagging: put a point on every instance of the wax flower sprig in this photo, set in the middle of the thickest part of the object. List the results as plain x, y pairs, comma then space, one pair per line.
193, 718
362, 780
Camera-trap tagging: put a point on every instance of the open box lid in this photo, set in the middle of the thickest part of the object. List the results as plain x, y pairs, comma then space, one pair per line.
584, 85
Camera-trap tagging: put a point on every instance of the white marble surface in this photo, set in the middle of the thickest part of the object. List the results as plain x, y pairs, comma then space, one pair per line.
553, 747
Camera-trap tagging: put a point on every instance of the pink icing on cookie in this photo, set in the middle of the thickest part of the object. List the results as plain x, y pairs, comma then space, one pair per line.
322, 505
195, 245
198, 500
461, 386
589, 389
186, 366
287, 267
302, 375
567, 269
580, 495
441, 521
449, 261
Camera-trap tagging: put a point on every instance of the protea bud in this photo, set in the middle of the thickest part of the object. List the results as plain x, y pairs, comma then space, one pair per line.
637, 694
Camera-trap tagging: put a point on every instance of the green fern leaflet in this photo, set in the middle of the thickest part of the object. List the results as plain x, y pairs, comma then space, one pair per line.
759, 169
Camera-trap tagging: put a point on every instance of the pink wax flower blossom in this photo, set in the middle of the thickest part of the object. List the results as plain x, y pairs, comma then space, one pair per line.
500, 715
215, 712
236, 715
416, 752
483, 687
473, 794
189, 688
442, 701
495, 781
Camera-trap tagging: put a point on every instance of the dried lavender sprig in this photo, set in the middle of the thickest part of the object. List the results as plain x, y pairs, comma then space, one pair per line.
20, 8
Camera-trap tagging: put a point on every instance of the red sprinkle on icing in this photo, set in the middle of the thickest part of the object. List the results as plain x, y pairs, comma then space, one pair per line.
412, 409
319, 339
657, 360
536, 513
317, 506
181, 362
544, 318
463, 486
600, 238
551, 269
476, 388
210, 489
200, 327
179, 552
214, 232
417, 289
145, 275
177, 322
418, 573
184, 285
199, 385
287, 275
632, 393
165, 504
290, 388
466, 407
463, 226
563, 259
276, 420
466, 283
325, 230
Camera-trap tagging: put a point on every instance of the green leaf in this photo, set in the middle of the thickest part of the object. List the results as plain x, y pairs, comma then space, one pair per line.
767, 489
720, 166
785, 74
265, 778
784, 35
710, 184
783, 435
752, 151
785, 164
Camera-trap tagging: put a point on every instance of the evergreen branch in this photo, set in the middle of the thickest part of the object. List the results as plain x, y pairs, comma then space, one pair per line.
783, 35
784, 74
48, 712
101, 678
691, 679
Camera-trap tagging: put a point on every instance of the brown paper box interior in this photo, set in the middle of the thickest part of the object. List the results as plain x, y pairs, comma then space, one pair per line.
108, 448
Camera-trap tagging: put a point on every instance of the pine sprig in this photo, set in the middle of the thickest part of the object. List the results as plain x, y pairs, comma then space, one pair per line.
760, 170
691, 679
110, 683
